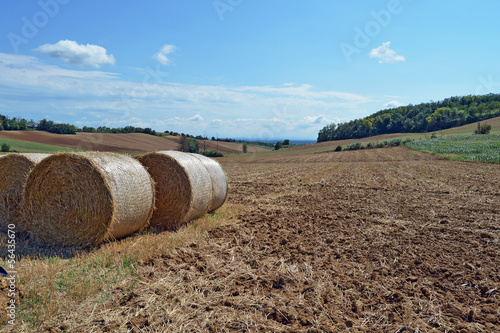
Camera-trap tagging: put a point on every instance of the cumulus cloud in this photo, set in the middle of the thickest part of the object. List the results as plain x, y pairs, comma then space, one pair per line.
385, 54
196, 118
161, 56
77, 54
316, 119
392, 104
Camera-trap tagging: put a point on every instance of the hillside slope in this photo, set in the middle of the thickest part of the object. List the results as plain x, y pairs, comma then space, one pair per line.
425, 117
126, 143
461, 130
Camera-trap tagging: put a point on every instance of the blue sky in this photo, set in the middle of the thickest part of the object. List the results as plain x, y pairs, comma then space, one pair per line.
240, 68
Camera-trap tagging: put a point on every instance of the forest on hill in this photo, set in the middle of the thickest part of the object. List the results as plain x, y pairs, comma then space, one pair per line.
424, 117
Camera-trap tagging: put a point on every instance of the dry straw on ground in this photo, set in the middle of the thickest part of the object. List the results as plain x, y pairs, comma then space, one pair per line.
219, 181
183, 188
14, 170
82, 199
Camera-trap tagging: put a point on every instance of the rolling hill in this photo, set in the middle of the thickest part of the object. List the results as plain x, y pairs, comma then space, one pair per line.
134, 143
461, 130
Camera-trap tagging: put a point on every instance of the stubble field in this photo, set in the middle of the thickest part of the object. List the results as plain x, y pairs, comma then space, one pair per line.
382, 240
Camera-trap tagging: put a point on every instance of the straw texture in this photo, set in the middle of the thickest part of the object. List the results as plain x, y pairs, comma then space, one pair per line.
219, 181
82, 199
14, 170
183, 187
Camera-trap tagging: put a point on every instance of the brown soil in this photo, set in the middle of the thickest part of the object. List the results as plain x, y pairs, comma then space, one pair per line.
376, 240
225, 147
384, 240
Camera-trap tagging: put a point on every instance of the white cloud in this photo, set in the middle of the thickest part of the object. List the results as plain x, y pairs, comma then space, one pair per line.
161, 56
196, 118
303, 91
392, 104
316, 119
215, 122
385, 54
82, 55
29, 86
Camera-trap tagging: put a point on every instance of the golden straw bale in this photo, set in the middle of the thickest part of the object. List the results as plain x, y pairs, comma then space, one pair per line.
14, 170
82, 199
183, 188
219, 181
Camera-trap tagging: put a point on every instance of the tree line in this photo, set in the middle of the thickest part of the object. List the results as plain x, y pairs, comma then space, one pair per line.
424, 117
119, 130
21, 124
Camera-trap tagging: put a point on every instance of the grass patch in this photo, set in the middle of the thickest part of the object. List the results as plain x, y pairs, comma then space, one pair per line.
33, 147
481, 148
53, 286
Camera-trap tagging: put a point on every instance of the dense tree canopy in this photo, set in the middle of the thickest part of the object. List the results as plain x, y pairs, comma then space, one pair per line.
50, 126
20, 124
425, 117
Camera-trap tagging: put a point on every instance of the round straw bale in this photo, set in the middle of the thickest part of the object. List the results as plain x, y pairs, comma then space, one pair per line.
82, 199
219, 182
183, 188
14, 170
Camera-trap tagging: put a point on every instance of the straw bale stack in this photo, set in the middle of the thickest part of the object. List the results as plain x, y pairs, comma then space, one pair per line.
183, 187
82, 199
14, 170
219, 181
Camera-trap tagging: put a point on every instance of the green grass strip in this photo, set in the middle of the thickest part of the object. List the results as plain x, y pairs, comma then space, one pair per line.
482, 148
33, 147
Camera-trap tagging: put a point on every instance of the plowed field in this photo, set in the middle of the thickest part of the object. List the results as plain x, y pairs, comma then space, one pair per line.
377, 240
384, 240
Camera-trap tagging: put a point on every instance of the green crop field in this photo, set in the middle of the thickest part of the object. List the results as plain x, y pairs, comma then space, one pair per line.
484, 148
32, 147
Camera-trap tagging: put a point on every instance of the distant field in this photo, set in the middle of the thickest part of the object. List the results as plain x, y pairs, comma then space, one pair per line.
33, 147
462, 130
484, 148
133, 143
127, 143
137, 143
224, 147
